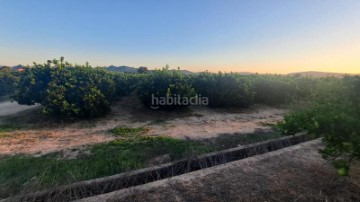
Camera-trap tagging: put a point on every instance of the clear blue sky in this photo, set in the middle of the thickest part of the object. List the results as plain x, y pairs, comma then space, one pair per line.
229, 35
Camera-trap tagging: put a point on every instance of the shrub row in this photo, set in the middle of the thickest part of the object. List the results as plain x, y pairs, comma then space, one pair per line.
83, 91
164, 83
277, 89
226, 89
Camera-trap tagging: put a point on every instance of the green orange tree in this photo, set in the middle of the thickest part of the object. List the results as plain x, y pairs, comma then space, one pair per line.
67, 90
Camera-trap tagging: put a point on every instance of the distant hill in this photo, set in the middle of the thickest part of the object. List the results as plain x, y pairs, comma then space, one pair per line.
15, 68
125, 69
318, 74
128, 69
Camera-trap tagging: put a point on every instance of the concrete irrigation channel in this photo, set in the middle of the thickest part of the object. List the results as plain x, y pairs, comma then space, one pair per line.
104, 185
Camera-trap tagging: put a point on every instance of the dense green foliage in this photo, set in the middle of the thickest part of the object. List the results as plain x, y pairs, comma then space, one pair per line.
225, 90
79, 92
164, 83
277, 89
82, 91
8, 128
66, 90
126, 83
33, 84
333, 113
8, 81
235, 90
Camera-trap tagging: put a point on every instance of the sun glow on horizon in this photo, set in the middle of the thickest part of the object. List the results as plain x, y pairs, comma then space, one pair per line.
231, 36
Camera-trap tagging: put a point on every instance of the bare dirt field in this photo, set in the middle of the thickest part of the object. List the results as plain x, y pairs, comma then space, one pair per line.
296, 173
40, 135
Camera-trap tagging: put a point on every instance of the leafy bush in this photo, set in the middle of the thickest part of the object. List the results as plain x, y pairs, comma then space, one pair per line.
277, 89
33, 84
334, 114
225, 90
165, 83
233, 90
126, 83
8, 81
67, 91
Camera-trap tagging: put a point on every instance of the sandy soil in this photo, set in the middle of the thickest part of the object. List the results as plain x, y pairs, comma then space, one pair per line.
196, 122
209, 123
46, 141
296, 173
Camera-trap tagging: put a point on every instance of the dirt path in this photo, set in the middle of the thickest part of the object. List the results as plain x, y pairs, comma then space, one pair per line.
296, 173
39, 142
197, 122
208, 123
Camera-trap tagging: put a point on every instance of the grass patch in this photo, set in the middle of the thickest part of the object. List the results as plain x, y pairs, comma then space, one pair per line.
8, 128
126, 132
21, 174
26, 174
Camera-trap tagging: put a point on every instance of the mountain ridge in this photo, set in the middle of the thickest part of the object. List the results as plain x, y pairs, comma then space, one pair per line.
129, 69
319, 74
